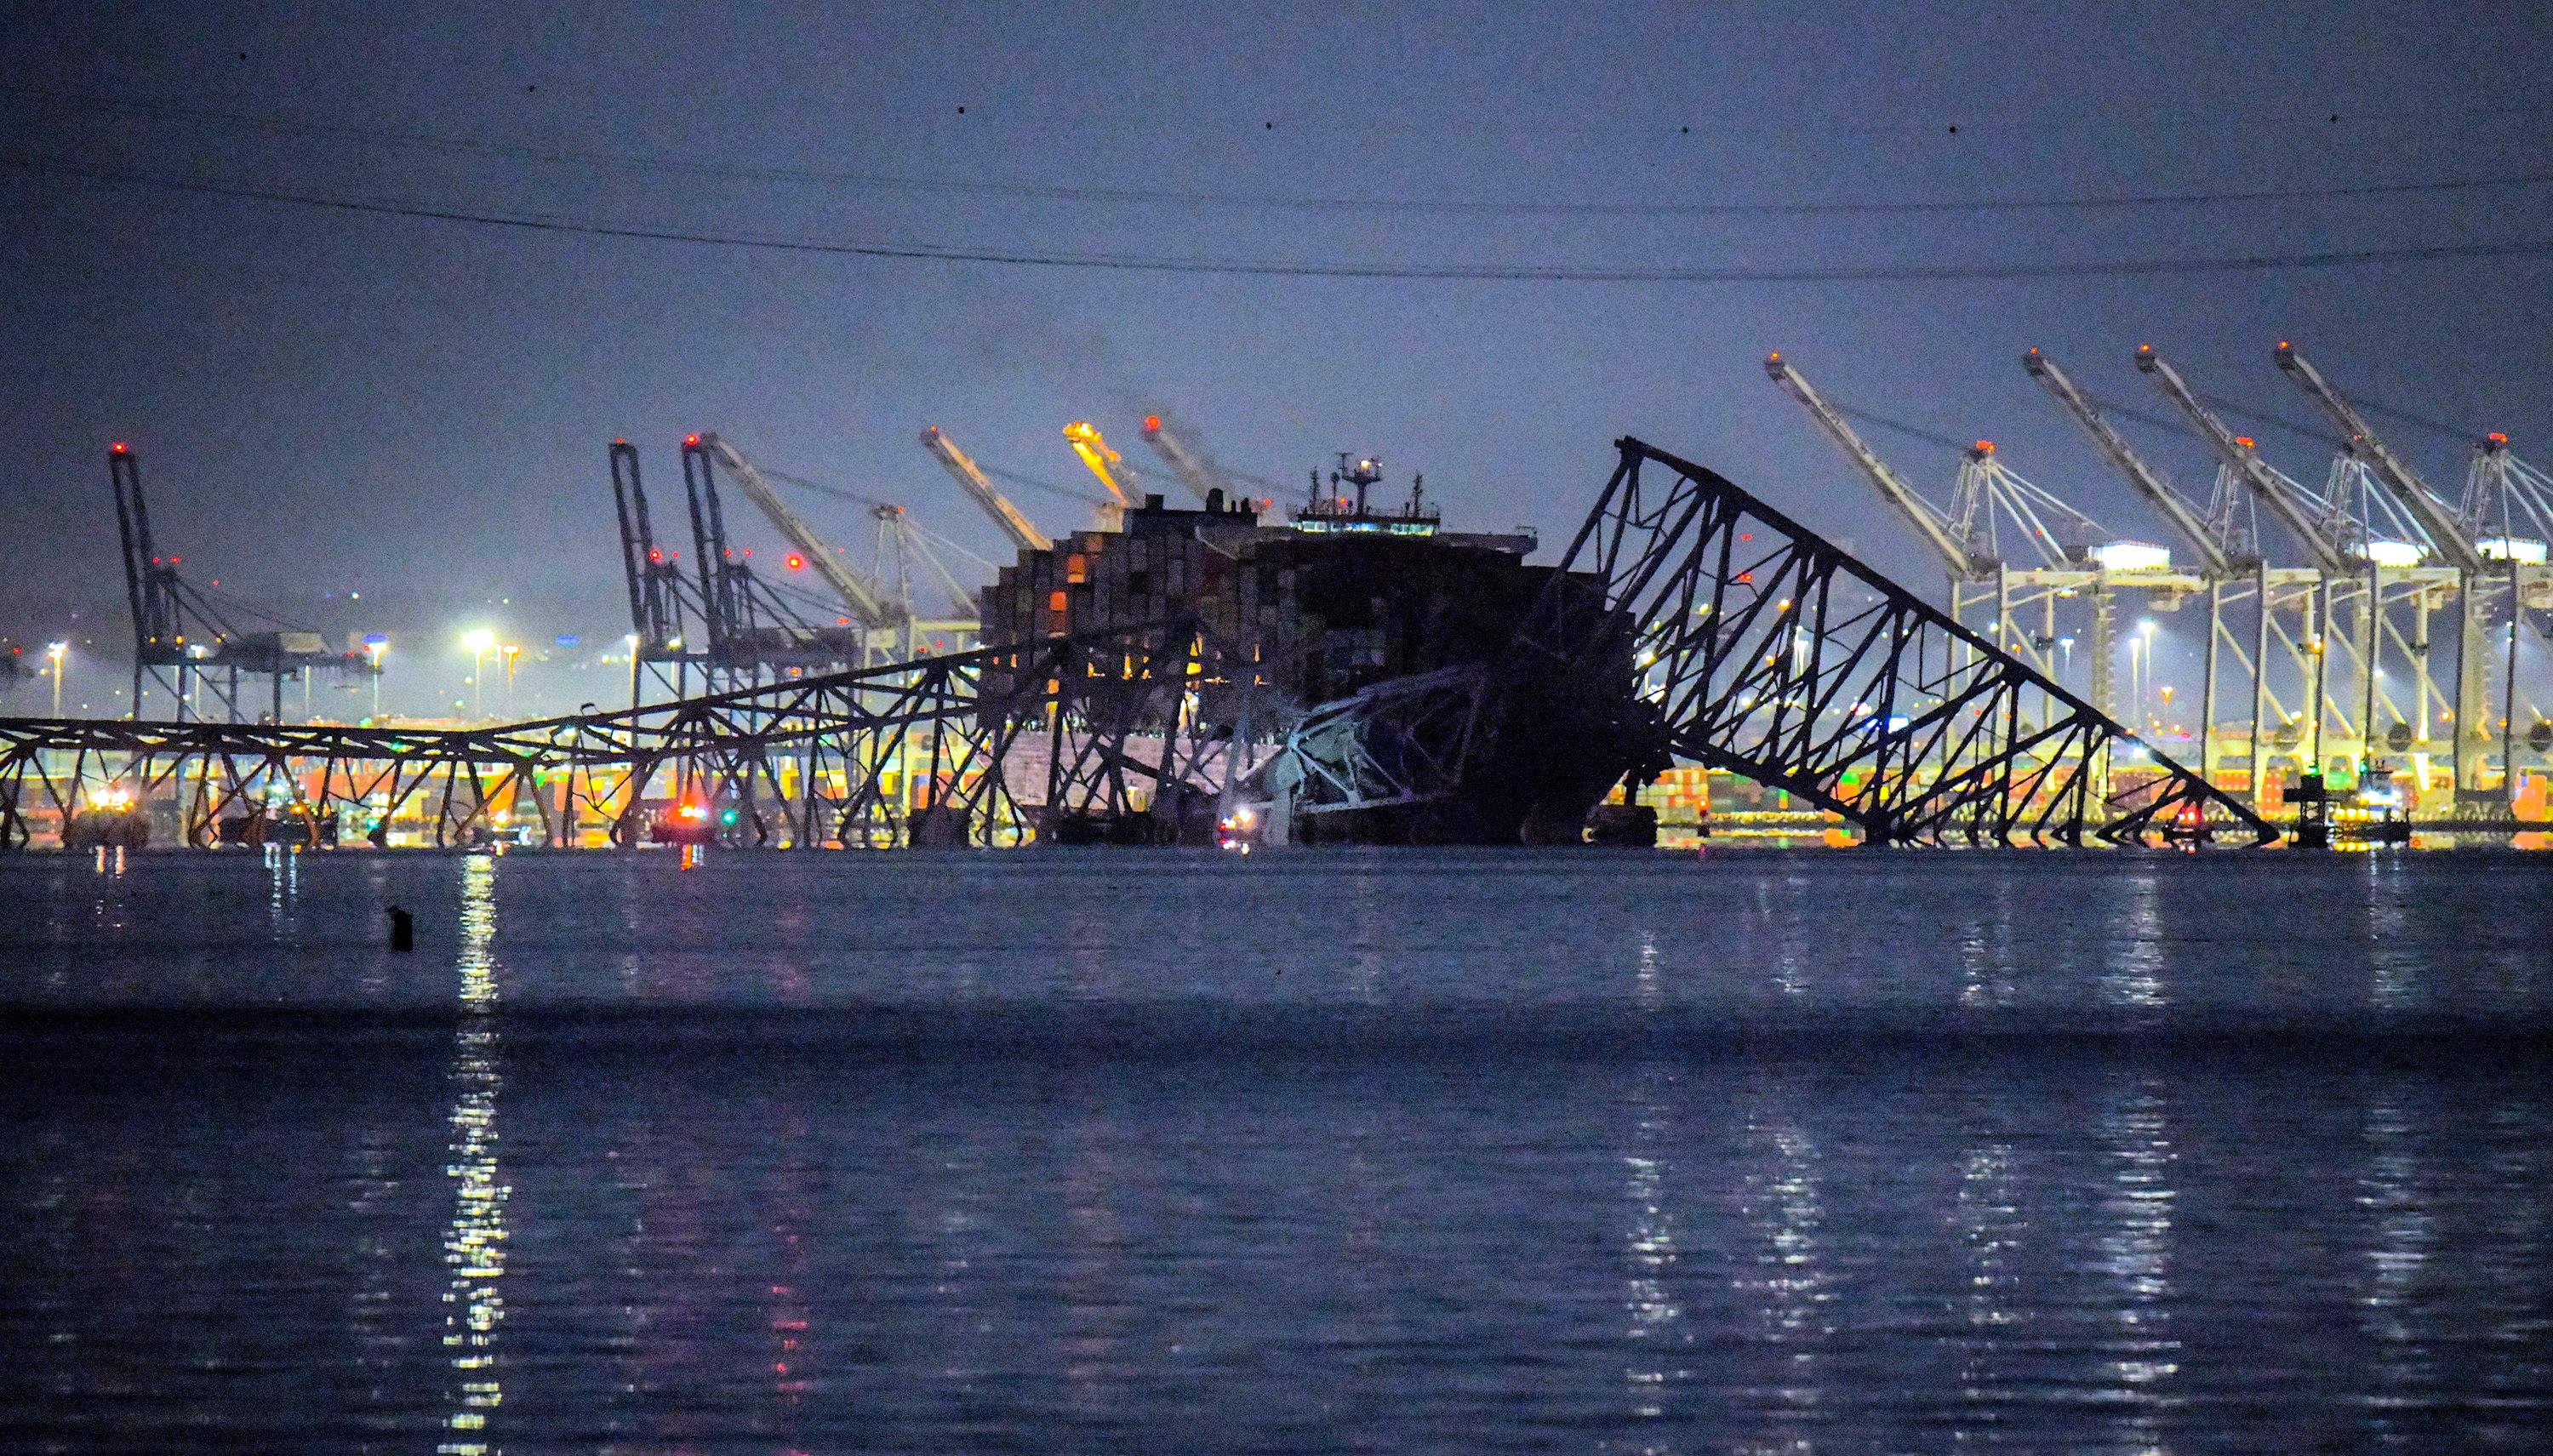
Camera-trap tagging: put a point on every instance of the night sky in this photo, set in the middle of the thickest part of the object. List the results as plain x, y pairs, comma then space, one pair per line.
417, 409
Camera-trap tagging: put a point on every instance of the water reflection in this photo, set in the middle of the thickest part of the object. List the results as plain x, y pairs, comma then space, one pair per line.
2401, 1235
2135, 976
1782, 1284
2134, 1248
1659, 1343
474, 1243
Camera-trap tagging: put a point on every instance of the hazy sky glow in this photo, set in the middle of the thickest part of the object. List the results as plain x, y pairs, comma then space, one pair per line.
418, 409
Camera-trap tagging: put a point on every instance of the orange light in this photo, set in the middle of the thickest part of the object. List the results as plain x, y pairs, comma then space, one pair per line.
2034, 351
797, 562
1151, 421
2282, 344
2496, 438
691, 439
2246, 441
1985, 447
620, 442
2145, 348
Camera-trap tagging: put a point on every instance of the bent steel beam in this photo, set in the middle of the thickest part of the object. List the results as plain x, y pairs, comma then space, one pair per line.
1767, 650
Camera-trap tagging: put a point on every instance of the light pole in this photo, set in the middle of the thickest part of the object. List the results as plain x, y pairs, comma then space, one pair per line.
512, 651
57, 651
2145, 673
374, 647
479, 642
2066, 645
632, 641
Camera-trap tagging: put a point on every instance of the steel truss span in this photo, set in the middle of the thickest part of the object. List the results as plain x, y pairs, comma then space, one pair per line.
1769, 652
1688, 620
1122, 734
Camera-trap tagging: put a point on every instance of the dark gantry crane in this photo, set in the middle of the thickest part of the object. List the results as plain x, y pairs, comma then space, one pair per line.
666, 617
185, 638
753, 626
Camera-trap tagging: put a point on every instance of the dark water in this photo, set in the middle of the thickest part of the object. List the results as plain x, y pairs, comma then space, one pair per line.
1125, 1151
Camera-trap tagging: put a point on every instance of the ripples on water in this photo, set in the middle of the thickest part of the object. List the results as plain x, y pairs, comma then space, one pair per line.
1120, 1151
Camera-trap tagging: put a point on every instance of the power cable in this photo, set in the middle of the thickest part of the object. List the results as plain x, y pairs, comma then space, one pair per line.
694, 166
1283, 267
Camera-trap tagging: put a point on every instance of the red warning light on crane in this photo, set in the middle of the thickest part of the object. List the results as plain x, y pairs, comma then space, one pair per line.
119, 448
691, 439
1152, 422
797, 562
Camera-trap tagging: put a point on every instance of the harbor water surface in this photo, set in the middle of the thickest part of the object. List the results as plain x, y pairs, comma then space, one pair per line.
1117, 1151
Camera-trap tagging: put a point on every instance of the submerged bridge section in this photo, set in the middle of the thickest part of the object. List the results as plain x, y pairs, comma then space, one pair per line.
1688, 620
1116, 734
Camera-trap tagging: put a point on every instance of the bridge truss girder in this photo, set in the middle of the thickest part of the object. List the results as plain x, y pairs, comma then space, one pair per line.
1134, 722
1769, 652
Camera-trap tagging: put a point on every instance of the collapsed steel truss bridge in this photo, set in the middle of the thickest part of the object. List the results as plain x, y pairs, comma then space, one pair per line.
1765, 649
1688, 620
1118, 733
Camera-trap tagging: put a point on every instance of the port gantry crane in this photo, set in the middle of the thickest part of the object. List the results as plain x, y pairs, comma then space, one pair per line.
1987, 500
2452, 537
1202, 476
2364, 548
1106, 464
184, 638
666, 614
971, 479
2508, 503
881, 619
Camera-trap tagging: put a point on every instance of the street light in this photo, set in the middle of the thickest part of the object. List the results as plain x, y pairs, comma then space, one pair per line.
479, 642
374, 647
2145, 670
57, 651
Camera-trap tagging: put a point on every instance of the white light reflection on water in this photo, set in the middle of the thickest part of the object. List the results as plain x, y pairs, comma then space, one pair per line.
1987, 969
1786, 1288
2400, 1242
1990, 1225
474, 1244
2399, 960
2135, 1248
2135, 978
1659, 1341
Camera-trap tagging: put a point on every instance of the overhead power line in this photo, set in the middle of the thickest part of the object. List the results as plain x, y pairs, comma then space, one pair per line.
1290, 268
1062, 192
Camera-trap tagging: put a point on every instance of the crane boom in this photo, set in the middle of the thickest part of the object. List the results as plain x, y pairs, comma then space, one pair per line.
2273, 488
1927, 521
1183, 462
1104, 462
867, 607
2409, 490
2216, 555
970, 479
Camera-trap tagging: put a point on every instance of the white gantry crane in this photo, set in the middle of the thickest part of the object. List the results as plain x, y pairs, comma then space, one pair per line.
2362, 547
971, 479
2058, 552
2449, 533
2212, 533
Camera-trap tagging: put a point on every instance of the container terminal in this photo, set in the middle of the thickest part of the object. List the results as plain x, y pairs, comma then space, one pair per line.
1257, 666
